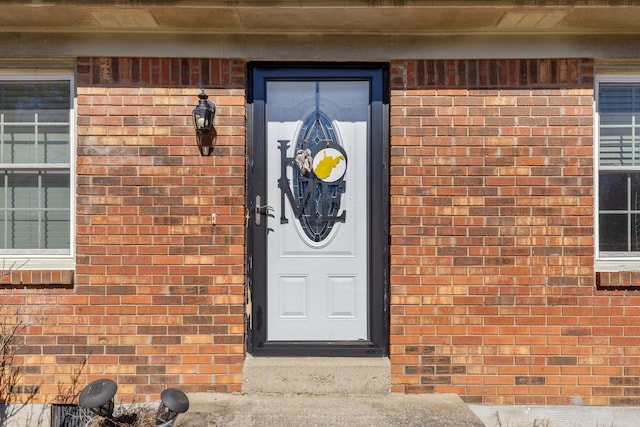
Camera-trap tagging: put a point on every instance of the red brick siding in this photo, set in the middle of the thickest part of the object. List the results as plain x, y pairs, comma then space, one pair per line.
158, 298
493, 290
492, 281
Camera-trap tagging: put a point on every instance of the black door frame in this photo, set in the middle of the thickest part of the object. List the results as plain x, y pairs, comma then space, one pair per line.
378, 173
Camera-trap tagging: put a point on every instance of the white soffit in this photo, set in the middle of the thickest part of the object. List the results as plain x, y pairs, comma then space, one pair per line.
532, 20
124, 18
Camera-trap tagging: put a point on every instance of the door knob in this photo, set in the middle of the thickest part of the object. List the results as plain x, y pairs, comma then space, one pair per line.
261, 210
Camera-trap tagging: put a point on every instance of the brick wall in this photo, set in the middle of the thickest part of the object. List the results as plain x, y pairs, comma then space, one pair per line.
492, 280
157, 298
493, 290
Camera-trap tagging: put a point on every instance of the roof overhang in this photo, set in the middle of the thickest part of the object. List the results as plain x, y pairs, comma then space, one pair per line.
297, 28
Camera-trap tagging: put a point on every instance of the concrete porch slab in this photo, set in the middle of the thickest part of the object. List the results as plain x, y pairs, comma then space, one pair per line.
334, 410
312, 391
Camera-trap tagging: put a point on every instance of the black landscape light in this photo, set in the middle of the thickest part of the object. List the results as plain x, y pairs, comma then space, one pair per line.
174, 402
98, 396
203, 116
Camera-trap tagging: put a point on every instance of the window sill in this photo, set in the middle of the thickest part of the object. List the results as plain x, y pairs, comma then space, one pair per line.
617, 265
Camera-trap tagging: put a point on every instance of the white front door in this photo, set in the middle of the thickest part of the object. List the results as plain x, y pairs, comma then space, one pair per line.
317, 133
317, 211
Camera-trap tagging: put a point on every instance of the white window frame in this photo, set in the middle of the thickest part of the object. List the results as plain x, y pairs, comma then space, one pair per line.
24, 259
610, 262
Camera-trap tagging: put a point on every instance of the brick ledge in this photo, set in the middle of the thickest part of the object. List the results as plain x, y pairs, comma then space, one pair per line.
618, 279
39, 277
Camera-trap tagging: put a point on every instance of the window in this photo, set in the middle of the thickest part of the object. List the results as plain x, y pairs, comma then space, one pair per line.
36, 135
618, 118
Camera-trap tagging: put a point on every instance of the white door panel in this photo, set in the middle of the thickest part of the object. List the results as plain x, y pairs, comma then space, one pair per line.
317, 290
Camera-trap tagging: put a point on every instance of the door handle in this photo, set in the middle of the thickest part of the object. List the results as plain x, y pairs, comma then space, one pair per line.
261, 210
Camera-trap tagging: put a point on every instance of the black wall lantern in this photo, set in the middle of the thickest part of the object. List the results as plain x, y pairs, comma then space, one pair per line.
203, 116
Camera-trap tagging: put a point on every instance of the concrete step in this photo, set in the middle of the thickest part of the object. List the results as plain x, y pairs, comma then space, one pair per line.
332, 410
316, 391
316, 375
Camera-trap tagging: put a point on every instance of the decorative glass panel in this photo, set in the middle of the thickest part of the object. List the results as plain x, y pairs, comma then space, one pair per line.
318, 166
318, 182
